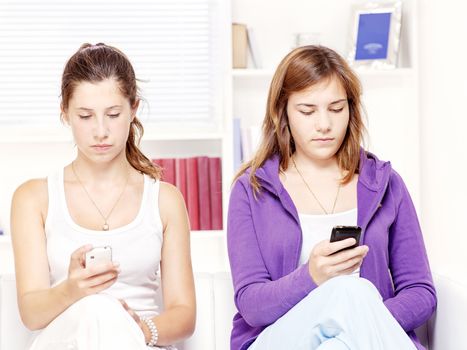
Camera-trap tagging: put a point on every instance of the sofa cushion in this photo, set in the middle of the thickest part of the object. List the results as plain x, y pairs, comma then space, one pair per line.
14, 336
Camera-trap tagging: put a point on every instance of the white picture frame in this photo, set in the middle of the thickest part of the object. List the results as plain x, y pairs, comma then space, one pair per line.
375, 41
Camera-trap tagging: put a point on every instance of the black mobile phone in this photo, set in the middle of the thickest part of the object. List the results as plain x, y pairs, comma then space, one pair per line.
339, 233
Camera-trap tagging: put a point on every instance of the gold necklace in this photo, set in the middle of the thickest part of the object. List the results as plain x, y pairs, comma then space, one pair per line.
105, 226
312, 193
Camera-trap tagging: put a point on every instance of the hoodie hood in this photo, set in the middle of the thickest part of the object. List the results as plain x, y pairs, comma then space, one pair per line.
373, 173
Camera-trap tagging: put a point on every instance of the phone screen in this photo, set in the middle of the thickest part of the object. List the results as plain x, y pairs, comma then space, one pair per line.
340, 233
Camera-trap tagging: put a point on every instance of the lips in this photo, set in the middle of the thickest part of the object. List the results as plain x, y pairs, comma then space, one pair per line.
102, 147
324, 139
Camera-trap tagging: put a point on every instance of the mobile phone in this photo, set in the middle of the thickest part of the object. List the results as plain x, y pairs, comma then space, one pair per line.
98, 255
339, 233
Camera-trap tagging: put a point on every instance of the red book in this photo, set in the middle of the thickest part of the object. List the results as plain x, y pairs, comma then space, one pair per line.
204, 194
215, 189
158, 162
180, 177
169, 170
192, 192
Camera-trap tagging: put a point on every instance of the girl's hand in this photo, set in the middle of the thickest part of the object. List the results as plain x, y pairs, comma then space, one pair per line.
141, 324
323, 265
84, 281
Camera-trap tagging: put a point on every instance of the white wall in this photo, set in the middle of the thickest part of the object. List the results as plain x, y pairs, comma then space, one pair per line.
443, 123
390, 97
23, 161
443, 97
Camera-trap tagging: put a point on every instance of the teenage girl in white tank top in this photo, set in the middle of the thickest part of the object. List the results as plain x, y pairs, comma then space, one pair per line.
110, 195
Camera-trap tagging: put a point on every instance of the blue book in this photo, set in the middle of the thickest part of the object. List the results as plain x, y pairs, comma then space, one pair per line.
373, 36
237, 144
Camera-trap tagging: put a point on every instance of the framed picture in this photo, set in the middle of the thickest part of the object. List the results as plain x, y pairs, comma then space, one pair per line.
376, 35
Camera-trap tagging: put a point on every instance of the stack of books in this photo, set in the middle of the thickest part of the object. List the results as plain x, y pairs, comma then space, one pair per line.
199, 179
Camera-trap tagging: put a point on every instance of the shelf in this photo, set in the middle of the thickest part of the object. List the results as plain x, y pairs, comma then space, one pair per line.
362, 72
4, 239
154, 135
34, 134
62, 134
207, 234
397, 72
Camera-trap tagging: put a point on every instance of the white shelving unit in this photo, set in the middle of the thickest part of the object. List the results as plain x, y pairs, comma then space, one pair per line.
390, 97
4, 239
6, 255
31, 152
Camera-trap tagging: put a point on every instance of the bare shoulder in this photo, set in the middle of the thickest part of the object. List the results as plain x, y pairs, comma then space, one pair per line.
32, 192
169, 194
171, 203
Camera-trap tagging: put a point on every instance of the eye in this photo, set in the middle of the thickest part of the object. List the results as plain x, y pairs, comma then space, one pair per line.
84, 116
307, 112
114, 115
337, 110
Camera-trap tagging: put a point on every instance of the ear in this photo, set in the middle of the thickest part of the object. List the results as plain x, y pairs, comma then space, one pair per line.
64, 115
134, 109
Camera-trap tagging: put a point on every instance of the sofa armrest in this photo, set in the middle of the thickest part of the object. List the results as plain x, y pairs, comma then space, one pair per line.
13, 334
203, 337
224, 309
447, 326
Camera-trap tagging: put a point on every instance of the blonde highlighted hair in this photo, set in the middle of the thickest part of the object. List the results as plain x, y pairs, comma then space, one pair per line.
299, 70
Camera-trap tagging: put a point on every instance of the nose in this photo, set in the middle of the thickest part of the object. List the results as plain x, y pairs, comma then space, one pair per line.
101, 128
323, 122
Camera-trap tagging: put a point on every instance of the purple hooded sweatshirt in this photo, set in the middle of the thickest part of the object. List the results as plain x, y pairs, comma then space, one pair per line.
265, 239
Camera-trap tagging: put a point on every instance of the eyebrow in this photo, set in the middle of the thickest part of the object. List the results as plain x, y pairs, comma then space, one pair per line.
90, 109
312, 105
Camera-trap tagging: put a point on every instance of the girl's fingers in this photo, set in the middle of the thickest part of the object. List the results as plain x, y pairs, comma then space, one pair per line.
77, 257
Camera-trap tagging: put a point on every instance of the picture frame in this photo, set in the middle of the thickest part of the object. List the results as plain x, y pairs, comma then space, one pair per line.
376, 28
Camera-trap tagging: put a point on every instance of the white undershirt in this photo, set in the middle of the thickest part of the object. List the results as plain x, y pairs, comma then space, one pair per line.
316, 228
137, 246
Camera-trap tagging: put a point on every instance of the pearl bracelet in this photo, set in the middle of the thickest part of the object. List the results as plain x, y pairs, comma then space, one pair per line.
154, 333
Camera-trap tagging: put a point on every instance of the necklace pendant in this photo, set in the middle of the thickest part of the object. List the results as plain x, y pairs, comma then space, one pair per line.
105, 227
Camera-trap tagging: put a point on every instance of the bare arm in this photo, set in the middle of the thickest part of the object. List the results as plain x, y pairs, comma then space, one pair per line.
178, 319
38, 303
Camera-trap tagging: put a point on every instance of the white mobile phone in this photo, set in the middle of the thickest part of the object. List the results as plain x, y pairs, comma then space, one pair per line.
98, 255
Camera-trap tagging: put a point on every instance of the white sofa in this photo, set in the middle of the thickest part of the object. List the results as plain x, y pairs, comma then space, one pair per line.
215, 311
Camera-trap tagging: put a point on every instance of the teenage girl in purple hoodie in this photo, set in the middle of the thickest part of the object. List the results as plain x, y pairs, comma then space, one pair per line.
294, 289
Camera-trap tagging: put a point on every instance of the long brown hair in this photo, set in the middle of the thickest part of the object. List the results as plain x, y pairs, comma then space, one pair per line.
299, 70
95, 63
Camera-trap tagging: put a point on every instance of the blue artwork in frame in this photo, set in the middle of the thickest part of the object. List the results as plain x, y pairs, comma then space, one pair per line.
373, 36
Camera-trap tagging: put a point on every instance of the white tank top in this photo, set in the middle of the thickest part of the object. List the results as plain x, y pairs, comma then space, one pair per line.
136, 246
316, 228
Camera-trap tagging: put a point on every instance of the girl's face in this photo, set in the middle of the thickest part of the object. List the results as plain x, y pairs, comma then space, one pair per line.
318, 119
100, 117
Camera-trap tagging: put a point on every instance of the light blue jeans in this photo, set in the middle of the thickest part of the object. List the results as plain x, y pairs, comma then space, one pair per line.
344, 313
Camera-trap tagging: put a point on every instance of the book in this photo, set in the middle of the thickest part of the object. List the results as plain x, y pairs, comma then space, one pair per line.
254, 50
168, 169
180, 177
204, 193
237, 144
239, 45
215, 188
251, 139
192, 192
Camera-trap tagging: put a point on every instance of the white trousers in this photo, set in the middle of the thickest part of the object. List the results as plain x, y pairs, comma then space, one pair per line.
96, 322
344, 313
